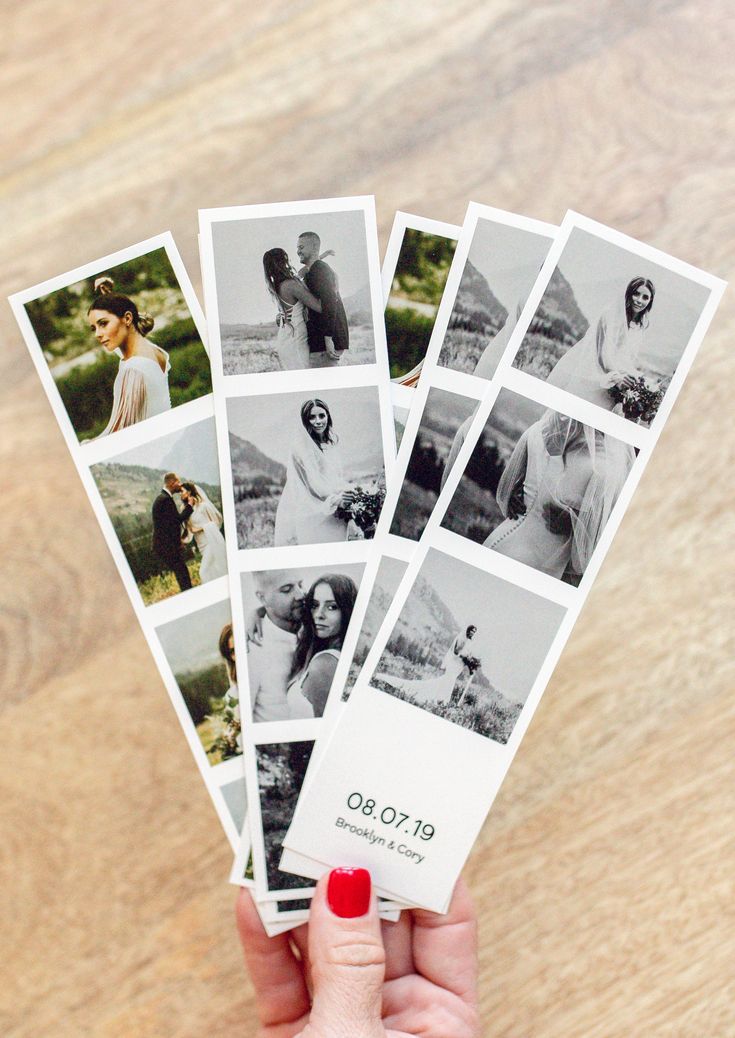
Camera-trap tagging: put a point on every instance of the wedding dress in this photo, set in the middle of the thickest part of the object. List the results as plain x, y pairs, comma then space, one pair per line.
204, 523
298, 705
438, 689
313, 490
490, 357
608, 349
292, 340
568, 492
140, 391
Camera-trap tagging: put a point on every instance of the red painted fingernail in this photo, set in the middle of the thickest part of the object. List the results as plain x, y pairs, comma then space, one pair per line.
348, 892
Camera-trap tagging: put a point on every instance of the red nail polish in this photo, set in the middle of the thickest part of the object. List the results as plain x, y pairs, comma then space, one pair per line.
348, 892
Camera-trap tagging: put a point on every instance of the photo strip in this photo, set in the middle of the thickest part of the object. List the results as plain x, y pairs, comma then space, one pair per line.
119, 345
509, 250
305, 437
557, 467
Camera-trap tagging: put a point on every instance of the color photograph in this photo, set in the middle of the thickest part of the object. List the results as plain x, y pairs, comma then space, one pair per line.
165, 504
122, 346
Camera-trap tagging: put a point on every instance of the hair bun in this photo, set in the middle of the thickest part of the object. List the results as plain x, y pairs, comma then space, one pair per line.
104, 286
146, 322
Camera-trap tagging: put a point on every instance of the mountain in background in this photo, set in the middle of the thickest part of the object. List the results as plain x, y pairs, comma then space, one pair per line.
476, 308
249, 463
189, 460
558, 315
129, 491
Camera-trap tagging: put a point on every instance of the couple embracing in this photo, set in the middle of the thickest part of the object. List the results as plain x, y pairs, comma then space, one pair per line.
311, 318
295, 638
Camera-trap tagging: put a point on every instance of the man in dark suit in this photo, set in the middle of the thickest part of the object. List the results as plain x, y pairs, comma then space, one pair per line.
167, 524
328, 333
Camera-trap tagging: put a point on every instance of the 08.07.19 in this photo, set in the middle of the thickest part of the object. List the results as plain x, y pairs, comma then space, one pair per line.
390, 816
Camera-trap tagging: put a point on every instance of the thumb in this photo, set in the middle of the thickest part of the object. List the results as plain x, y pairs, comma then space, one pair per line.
347, 956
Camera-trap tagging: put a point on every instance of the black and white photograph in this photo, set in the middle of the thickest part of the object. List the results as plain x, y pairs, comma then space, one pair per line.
307, 468
502, 264
611, 327
121, 345
387, 578
293, 292
296, 621
165, 504
440, 435
539, 487
200, 650
467, 646
281, 767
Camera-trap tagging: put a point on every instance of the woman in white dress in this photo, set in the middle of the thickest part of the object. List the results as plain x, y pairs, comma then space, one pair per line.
557, 492
490, 356
141, 385
204, 525
439, 689
607, 355
231, 736
315, 485
327, 611
293, 301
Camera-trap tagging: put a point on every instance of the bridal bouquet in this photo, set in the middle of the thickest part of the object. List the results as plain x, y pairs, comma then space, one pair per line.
364, 510
472, 663
640, 401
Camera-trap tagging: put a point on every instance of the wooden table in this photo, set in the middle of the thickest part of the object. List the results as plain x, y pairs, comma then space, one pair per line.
604, 874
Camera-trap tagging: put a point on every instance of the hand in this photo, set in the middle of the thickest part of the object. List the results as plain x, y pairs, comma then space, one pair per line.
254, 627
331, 351
355, 976
624, 380
347, 498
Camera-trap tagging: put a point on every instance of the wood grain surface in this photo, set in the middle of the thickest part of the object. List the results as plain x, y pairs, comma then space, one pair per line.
604, 875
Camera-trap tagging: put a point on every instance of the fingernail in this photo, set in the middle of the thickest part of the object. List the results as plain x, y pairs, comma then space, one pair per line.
348, 892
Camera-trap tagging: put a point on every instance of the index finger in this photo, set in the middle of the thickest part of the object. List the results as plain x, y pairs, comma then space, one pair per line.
445, 946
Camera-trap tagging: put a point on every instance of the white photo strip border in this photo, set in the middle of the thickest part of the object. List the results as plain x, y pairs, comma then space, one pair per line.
420, 756
245, 392
222, 780
520, 245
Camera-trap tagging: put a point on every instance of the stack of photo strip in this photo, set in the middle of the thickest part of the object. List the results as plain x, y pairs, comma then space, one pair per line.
354, 637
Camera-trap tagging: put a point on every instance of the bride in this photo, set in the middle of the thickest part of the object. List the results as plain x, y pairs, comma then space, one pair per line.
607, 355
452, 683
204, 526
315, 486
141, 384
327, 611
293, 301
557, 492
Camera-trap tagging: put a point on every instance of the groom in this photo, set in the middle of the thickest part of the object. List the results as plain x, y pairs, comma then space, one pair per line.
281, 594
167, 524
328, 332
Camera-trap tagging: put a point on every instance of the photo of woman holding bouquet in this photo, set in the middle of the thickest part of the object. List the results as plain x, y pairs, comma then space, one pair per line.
610, 327
307, 470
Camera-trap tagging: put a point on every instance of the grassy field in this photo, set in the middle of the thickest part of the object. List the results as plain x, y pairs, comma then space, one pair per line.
412, 512
164, 585
462, 349
473, 512
251, 348
489, 718
256, 521
538, 354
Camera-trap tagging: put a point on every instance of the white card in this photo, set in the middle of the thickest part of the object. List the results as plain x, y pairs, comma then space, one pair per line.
133, 405
495, 265
299, 430
539, 487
